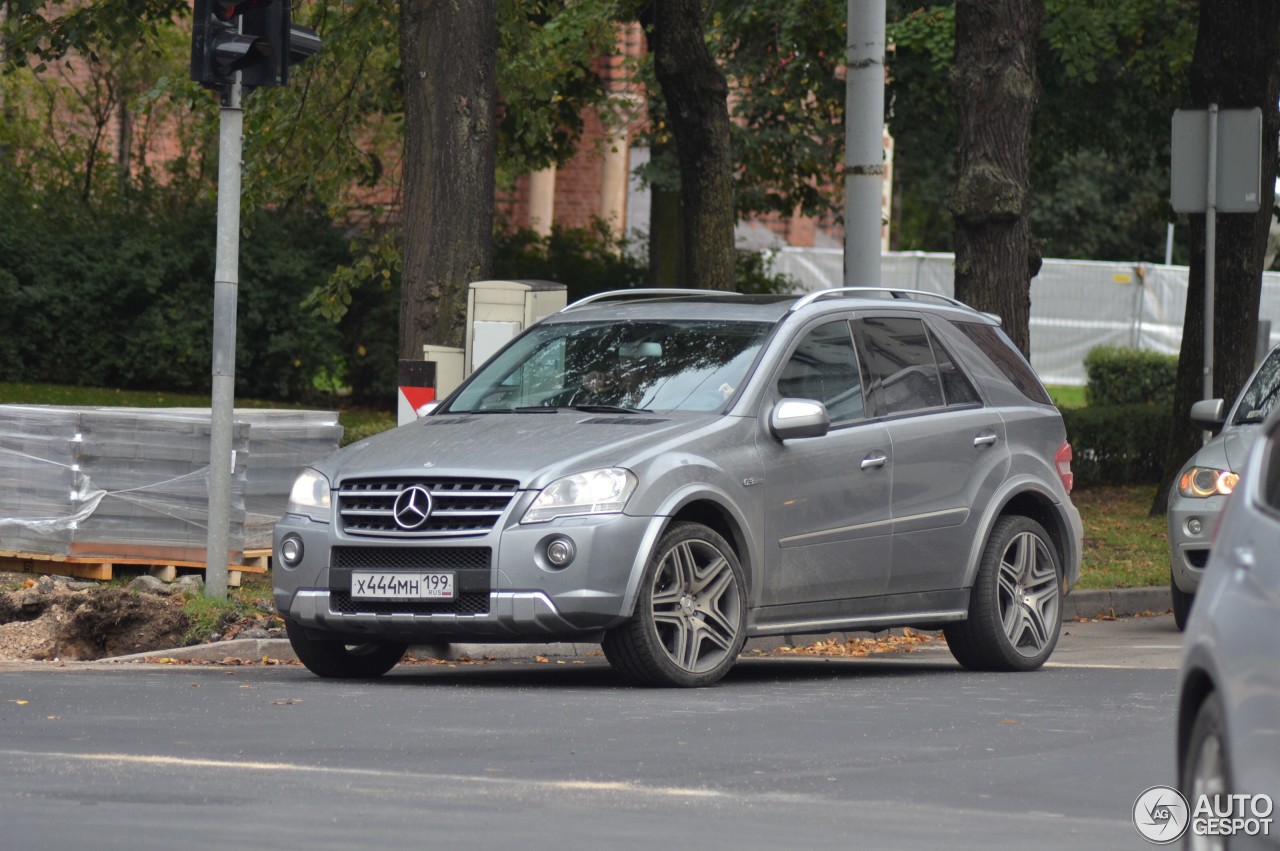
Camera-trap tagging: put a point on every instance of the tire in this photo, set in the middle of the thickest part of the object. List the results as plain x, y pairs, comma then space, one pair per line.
335, 658
1015, 606
1181, 604
1206, 765
691, 615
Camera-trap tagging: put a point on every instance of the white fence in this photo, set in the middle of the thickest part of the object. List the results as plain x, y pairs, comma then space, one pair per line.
1075, 304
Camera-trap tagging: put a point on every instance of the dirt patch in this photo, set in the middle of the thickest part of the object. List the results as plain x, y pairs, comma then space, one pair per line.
49, 619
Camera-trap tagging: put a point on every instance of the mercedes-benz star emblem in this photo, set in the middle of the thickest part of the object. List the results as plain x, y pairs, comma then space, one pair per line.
412, 507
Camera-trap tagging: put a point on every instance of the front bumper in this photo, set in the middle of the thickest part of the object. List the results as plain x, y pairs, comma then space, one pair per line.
507, 590
1189, 550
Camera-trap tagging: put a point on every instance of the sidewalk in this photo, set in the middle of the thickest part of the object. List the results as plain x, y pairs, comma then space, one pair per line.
1119, 602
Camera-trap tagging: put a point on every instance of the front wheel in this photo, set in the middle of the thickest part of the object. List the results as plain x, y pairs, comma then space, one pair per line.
1015, 607
1181, 604
338, 659
690, 619
1206, 769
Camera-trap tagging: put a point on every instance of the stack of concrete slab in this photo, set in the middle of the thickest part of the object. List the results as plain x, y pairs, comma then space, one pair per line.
133, 483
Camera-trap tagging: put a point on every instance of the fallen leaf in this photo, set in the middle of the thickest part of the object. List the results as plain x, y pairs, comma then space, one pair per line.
542, 659
20, 702
1008, 721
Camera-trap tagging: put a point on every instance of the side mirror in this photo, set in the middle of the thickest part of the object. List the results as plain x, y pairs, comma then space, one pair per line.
1209, 414
426, 409
795, 418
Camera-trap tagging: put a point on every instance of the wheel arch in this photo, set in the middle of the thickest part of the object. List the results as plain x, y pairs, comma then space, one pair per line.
1026, 499
713, 510
1197, 686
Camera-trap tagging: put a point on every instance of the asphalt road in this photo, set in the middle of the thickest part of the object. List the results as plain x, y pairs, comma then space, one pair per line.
902, 751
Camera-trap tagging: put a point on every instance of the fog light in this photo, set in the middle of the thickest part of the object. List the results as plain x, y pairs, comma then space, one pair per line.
291, 551
560, 551
1194, 526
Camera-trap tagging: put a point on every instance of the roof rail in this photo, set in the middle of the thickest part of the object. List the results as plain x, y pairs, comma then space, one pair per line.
810, 298
642, 293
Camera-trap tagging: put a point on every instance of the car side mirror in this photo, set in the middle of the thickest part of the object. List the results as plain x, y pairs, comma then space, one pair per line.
796, 418
1209, 414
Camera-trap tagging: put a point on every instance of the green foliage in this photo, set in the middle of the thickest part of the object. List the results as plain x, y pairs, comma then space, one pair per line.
121, 296
785, 64
1117, 444
1124, 376
1110, 76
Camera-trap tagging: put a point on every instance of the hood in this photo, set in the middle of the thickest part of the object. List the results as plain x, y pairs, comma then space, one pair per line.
1236, 443
532, 448
1228, 450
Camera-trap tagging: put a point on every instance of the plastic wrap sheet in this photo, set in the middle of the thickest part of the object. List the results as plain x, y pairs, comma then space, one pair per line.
1075, 304
112, 483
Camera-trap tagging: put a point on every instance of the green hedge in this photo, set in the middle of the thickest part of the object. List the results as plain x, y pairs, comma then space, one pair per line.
1117, 444
1121, 376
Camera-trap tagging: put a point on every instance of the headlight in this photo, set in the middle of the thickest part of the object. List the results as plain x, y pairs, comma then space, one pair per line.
1205, 482
593, 492
310, 496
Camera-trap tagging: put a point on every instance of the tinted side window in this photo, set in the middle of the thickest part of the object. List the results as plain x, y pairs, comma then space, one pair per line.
956, 386
898, 364
824, 367
997, 346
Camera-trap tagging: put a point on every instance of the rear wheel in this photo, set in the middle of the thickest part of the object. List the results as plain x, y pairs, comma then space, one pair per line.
1181, 604
339, 659
1015, 607
690, 619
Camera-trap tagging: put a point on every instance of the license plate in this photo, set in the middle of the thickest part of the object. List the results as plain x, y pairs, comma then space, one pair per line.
391, 585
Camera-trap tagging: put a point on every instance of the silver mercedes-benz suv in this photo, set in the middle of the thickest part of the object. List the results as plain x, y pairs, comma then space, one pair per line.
671, 472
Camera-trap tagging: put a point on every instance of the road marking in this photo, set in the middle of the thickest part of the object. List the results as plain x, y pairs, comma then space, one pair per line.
250, 765
1135, 667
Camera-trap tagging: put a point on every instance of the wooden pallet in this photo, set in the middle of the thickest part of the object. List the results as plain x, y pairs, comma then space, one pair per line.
103, 567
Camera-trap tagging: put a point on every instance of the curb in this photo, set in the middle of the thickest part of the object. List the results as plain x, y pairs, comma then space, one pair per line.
1119, 602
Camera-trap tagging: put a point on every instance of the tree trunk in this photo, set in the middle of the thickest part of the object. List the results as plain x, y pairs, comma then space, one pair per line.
1237, 66
995, 90
448, 54
696, 95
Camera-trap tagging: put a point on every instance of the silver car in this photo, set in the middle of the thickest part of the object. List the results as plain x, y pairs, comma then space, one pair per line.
672, 472
1228, 733
1207, 479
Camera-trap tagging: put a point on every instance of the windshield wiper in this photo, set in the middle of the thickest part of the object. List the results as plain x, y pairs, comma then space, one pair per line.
611, 409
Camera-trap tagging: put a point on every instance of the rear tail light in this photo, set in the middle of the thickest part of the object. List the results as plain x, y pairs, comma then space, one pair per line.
1062, 460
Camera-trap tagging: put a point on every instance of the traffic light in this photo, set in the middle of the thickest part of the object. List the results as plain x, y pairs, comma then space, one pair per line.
254, 37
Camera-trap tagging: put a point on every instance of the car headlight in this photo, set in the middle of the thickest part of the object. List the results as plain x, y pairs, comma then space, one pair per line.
310, 496
1206, 481
593, 492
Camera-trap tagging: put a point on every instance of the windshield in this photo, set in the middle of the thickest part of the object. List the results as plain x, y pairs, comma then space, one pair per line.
646, 365
1260, 396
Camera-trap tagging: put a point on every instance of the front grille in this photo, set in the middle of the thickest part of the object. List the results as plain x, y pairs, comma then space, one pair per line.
411, 558
469, 564
459, 507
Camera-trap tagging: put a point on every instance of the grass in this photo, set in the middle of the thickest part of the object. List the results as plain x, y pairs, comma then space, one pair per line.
1124, 548
357, 423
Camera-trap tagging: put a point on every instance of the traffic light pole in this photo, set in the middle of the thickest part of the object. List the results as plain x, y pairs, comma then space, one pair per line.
225, 295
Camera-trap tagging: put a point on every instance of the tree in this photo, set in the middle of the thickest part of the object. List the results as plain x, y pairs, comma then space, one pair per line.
995, 89
448, 52
696, 97
1236, 66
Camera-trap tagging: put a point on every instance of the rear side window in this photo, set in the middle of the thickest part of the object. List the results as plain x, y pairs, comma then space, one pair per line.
997, 346
898, 364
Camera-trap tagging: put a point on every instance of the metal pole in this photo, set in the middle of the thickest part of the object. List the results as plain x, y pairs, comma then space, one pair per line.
1210, 244
225, 295
1168, 246
864, 143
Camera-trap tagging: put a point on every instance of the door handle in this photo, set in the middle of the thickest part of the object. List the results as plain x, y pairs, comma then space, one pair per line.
874, 461
988, 438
